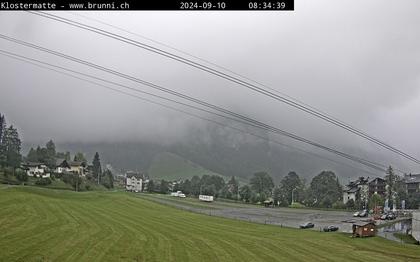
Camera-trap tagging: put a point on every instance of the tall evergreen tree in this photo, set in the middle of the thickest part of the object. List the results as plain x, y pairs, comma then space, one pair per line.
42, 154
32, 155
390, 179
150, 186
63, 155
79, 157
11, 146
50, 154
97, 170
2, 130
395, 188
108, 179
2, 126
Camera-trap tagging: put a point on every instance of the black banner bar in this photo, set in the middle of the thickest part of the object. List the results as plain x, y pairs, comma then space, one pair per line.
141, 5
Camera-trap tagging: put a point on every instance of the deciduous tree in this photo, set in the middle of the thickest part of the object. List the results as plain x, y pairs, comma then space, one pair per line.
262, 183
108, 179
292, 185
245, 193
325, 189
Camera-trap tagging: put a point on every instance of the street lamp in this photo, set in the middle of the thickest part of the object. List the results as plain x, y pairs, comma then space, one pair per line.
292, 195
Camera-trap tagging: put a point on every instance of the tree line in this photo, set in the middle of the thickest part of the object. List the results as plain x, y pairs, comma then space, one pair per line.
11, 161
323, 191
10, 145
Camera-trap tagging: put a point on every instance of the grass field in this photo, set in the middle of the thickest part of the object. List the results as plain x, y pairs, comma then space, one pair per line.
39, 224
407, 239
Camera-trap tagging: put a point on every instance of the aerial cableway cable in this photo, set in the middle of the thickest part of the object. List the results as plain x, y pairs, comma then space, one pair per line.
73, 74
186, 97
236, 116
229, 77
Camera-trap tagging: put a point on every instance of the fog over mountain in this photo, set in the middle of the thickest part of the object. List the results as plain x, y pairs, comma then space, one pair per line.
340, 57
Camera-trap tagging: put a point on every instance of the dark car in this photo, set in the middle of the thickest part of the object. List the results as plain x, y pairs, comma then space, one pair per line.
388, 216
330, 228
307, 225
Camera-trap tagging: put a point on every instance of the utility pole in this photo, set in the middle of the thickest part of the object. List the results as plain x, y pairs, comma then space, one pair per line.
292, 195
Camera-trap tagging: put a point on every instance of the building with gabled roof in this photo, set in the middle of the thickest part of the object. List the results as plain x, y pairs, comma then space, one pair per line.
36, 169
354, 189
377, 186
412, 183
134, 181
61, 166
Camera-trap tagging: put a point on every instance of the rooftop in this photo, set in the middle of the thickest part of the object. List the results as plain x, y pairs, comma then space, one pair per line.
363, 223
412, 178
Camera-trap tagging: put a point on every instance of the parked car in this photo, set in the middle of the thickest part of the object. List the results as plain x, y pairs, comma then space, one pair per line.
307, 225
182, 195
330, 228
388, 216
363, 213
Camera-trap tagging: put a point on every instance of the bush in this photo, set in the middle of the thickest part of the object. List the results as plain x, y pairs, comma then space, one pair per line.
350, 204
296, 205
8, 171
43, 181
21, 175
339, 205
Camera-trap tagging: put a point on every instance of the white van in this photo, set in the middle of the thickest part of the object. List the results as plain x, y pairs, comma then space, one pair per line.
205, 198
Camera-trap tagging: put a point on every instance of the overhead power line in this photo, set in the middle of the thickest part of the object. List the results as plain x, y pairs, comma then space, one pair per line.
72, 73
274, 95
198, 58
236, 117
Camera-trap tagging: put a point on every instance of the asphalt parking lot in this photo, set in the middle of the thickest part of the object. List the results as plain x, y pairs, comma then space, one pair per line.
288, 217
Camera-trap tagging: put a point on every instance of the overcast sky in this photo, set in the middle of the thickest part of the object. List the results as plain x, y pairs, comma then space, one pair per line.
357, 60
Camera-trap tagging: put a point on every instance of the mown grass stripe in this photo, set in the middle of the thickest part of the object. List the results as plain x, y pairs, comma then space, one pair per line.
52, 225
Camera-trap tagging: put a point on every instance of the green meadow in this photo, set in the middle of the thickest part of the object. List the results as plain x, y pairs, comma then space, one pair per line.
39, 224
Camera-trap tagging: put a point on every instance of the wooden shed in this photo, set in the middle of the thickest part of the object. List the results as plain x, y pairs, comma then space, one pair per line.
268, 203
364, 229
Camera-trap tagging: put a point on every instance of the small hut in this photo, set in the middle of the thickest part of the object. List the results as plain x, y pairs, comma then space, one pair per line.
268, 203
364, 229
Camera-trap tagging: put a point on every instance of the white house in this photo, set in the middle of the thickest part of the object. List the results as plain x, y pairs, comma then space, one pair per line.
62, 166
77, 167
359, 187
36, 169
133, 182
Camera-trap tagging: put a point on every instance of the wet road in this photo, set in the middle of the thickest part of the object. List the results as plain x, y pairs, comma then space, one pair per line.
289, 217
